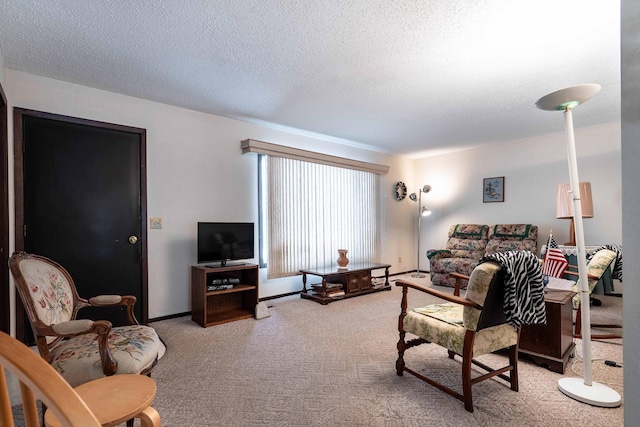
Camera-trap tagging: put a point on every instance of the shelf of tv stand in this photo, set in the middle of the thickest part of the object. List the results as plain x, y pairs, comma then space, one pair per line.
236, 288
209, 308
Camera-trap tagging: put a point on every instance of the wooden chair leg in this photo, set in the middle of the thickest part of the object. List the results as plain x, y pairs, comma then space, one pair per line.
149, 418
513, 361
467, 360
401, 348
577, 332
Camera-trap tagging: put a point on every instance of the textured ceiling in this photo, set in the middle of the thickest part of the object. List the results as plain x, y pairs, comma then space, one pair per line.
411, 77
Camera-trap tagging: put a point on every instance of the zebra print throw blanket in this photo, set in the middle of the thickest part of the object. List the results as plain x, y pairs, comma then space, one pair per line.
523, 288
616, 271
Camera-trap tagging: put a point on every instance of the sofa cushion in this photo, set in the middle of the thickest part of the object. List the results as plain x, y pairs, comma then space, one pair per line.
512, 237
467, 240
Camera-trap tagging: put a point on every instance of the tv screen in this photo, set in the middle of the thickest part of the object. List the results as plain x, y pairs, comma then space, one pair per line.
224, 241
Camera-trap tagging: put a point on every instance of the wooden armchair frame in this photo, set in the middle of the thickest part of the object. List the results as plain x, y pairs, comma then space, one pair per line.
48, 336
492, 315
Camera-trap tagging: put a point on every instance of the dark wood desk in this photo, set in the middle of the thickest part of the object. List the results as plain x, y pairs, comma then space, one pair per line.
552, 344
353, 281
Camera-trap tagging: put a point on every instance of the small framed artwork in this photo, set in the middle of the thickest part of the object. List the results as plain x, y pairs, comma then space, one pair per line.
493, 189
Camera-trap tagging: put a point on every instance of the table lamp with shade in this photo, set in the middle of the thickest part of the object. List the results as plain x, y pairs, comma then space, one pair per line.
564, 206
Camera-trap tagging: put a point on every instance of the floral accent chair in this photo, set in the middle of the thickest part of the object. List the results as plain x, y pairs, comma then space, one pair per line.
596, 268
80, 349
468, 326
468, 243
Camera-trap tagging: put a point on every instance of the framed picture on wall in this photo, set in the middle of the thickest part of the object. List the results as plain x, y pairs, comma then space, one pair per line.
493, 189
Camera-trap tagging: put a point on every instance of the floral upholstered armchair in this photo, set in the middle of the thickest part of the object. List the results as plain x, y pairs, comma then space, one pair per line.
468, 326
596, 267
468, 243
81, 350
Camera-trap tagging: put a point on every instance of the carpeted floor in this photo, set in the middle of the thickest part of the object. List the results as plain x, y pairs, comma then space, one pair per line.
334, 365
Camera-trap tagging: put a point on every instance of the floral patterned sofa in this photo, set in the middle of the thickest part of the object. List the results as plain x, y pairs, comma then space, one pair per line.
468, 243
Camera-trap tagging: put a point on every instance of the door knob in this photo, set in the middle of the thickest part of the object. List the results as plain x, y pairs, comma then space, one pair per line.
133, 240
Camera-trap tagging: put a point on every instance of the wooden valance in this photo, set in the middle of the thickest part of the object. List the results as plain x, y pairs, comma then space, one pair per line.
260, 147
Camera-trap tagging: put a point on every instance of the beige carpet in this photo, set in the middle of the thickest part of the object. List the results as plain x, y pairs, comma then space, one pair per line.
334, 365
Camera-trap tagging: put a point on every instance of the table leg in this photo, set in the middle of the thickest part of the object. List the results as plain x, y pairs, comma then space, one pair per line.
386, 276
304, 283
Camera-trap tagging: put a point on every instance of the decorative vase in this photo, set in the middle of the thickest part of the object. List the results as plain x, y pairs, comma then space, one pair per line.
342, 259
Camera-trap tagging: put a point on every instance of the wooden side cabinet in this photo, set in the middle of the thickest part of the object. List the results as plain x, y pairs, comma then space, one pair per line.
552, 344
213, 307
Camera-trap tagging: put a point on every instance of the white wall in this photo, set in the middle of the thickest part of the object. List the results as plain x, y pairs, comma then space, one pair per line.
532, 169
196, 172
1, 68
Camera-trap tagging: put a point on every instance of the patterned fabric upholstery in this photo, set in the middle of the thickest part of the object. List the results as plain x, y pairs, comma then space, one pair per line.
135, 347
468, 243
465, 246
50, 290
512, 237
598, 264
446, 324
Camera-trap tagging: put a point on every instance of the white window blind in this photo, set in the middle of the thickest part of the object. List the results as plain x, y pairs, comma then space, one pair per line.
313, 210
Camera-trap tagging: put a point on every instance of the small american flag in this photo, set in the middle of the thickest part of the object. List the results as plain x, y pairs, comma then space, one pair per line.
554, 261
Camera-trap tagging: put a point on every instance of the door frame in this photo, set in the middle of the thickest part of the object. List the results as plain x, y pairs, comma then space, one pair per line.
5, 316
18, 114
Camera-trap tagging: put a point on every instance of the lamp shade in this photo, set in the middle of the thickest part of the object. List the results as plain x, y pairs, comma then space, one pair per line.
564, 204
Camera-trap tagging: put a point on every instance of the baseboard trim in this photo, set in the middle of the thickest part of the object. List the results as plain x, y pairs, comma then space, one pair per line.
171, 316
188, 313
279, 296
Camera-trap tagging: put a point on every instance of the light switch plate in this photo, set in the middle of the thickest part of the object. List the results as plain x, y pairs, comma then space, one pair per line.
155, 223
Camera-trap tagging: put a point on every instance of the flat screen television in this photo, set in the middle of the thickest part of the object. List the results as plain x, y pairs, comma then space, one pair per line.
219, 242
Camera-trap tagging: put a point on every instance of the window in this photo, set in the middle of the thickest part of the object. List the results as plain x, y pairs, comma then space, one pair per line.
310, 210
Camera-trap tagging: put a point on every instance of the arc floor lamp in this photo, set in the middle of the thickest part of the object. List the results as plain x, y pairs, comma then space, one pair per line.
584, 390
422, 211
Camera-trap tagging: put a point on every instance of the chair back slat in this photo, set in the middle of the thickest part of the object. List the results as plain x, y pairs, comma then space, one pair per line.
38, 380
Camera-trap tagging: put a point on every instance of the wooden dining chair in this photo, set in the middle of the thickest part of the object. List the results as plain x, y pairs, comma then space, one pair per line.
38, 380
107, 401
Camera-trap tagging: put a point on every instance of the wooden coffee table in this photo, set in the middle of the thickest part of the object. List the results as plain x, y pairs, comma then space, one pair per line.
116, 399
351, 281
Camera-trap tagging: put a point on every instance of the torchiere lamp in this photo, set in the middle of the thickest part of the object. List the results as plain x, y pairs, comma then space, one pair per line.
583, 390
422, 211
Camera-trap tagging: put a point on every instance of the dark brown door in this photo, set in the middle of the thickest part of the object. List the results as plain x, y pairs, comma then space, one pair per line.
4, 216
83, 203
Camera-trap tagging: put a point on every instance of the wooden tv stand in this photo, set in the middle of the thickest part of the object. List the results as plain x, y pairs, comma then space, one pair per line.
353, 280
210, 308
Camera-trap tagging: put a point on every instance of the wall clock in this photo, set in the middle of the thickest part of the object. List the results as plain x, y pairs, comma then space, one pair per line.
400, 191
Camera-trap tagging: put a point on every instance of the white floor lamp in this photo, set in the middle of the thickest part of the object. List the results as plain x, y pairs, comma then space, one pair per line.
583, 390
422, 211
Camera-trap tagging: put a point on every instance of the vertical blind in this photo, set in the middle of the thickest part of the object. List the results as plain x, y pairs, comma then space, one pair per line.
313, 210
